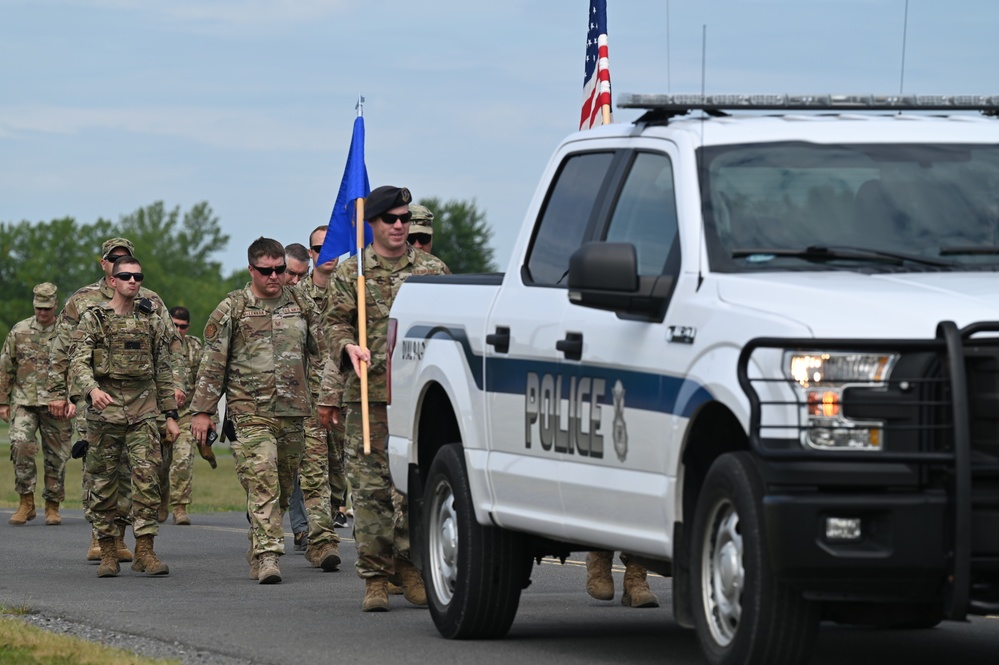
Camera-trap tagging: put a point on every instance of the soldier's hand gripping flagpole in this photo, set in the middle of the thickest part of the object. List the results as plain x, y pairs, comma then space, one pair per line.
362, 324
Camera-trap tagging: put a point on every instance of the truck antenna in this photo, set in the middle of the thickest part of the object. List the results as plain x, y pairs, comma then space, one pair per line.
905, 32
669, 78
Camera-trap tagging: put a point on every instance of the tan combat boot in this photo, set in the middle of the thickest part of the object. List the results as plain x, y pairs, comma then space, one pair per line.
94, 553
145, 558
636, 587
375, 595
394, 589
109, 559
254, 562
325, 556
270, 572
412, 582
119, 542
599, 582
180, 515
52, 517
25, 511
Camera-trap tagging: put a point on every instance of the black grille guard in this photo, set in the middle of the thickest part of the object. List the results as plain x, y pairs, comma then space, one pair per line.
949, 344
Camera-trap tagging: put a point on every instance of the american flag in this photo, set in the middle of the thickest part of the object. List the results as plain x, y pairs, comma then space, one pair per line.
596, 78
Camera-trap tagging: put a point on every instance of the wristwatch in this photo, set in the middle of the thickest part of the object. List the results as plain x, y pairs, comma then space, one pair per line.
172, 414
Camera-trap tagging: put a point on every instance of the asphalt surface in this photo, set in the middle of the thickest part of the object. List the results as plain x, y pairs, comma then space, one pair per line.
209, 611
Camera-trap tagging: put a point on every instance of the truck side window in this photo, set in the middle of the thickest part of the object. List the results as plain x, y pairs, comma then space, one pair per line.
645, 213
566, 216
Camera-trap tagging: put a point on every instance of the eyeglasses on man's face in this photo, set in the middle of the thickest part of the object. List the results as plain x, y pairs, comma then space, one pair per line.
129, 276
267, 272
317, 248
421, 238
391, 219
114, 257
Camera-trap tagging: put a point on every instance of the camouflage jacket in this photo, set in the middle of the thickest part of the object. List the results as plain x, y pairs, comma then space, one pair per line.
192, 358
69, 318
126, 356
382, 279
321, 298
259, 353
24, 362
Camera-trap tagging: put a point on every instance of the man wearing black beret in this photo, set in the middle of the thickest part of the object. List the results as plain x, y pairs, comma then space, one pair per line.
381, 535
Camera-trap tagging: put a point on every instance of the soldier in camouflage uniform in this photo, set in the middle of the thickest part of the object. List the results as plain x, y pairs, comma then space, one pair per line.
120, 364
24, 364
322, 458
261, 344
59, 405
382, 545
177, 472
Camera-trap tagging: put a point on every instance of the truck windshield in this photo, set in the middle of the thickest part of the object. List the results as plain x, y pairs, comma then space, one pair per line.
807, 206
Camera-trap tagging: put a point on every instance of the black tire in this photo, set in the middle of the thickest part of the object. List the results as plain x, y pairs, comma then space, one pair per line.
743, 614
474, 574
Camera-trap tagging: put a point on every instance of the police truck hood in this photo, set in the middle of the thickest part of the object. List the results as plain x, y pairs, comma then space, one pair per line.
850, 304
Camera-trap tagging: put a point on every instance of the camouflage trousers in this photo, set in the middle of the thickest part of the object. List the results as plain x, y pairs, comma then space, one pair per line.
141, 443
381, 535
267, 456
124, 481
177, 470
314, 479
56, 435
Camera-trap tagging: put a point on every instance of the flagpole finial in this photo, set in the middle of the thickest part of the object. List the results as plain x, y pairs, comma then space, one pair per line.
360, 105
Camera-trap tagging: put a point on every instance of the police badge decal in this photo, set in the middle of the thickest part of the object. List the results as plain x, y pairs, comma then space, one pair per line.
620, 428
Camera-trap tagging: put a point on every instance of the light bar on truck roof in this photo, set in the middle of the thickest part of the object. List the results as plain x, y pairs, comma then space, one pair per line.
682, 103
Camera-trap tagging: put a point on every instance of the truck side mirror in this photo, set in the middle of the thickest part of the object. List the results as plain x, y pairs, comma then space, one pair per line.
604, 275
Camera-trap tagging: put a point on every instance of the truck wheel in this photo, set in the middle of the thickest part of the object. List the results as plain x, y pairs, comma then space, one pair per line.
742, 612
474, 573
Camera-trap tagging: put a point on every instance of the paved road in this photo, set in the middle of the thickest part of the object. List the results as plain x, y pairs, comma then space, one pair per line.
209, 605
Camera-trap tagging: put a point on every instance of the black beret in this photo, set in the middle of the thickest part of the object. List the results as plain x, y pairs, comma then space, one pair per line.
383, 199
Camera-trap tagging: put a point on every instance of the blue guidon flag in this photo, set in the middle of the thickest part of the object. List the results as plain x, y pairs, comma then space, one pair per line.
596, 78
341, 237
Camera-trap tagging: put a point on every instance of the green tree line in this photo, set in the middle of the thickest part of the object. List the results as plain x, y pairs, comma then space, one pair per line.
176, 250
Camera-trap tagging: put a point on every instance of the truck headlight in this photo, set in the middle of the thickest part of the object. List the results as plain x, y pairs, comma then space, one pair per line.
820, 379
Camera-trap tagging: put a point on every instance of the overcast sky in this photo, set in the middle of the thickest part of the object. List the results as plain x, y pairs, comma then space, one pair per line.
110, 105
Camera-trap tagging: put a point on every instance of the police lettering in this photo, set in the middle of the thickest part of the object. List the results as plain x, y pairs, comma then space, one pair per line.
547, 398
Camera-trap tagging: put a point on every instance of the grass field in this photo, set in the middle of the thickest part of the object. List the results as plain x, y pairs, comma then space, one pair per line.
21, 644
214, 489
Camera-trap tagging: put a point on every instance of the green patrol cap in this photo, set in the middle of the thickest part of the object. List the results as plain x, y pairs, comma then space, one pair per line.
423, 219
45, 295
110, 245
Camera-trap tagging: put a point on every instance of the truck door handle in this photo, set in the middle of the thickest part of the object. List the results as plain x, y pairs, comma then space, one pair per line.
500, 340
572, 346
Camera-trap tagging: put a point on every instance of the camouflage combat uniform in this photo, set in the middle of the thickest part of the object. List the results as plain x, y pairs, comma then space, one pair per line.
260, 353
321, 474
85, 297
380, 535
128, 357
177, 472
24, 364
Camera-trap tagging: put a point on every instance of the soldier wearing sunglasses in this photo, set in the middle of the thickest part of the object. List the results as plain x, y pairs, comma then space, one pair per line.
382, 540
59, 405
120, 366
261, 344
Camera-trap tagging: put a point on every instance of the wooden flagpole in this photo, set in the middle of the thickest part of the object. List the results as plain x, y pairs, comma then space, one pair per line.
362, 325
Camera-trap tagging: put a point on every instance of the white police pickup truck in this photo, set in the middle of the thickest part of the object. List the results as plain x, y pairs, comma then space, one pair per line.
753, 340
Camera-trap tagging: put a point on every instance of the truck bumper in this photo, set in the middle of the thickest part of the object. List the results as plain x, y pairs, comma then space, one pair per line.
901, 552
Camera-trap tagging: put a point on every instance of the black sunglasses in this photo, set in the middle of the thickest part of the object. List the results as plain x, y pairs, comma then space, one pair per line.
422, 238
391, 219
114, 257
183, 326
44, 309
317, 248
267, 272
128, 276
